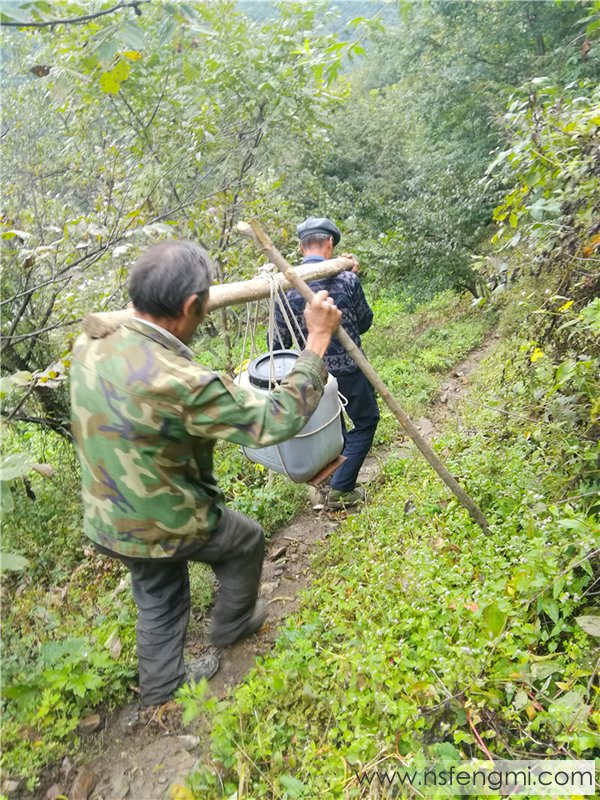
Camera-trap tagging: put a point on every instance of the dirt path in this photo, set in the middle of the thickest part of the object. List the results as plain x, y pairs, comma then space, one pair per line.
139, 759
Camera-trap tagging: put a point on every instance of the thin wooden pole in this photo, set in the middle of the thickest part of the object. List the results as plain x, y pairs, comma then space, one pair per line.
293, 277
101, 323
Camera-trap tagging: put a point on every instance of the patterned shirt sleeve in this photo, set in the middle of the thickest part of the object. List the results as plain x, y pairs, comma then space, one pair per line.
224, 410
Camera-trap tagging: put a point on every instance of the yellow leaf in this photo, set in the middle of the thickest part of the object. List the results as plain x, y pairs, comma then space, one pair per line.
591, 247
567, 305
527, 435
133, 55
536, 355
419, 686
530, 711
110, 82
180, 792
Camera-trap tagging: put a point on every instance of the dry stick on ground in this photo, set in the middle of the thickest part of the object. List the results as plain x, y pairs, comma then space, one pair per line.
254, 231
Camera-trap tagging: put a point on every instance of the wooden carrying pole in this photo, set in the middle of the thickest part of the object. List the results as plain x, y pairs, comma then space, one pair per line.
295, 279
100, 323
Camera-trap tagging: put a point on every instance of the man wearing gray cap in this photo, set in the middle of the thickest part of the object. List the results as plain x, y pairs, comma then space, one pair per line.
318, 236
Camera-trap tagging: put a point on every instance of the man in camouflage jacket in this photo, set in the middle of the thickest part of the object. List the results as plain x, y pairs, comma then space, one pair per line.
145, 419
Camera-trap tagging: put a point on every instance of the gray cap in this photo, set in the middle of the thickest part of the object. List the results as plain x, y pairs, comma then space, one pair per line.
319, 225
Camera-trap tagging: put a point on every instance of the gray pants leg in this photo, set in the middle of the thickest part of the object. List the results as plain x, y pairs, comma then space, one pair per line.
235, 552
161, 592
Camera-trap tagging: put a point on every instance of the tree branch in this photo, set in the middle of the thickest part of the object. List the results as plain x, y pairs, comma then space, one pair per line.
34, 334
60, 426
75, 20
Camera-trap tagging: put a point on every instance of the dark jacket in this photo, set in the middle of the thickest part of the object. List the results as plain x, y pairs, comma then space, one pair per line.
357, 317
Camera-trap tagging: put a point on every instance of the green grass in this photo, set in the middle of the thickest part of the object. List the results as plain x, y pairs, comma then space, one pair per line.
66, 648
412, 351
421, 636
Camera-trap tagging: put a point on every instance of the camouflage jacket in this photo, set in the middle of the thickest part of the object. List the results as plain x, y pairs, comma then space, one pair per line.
145, 420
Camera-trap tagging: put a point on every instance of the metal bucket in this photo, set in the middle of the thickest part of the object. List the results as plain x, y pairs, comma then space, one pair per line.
318, 443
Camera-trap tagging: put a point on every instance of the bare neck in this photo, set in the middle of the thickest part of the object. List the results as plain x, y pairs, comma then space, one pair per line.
168, 323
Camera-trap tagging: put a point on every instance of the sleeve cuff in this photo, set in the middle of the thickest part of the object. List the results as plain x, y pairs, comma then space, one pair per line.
313, 364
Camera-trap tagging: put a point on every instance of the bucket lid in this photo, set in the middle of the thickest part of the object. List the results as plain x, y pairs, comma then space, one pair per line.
259, 370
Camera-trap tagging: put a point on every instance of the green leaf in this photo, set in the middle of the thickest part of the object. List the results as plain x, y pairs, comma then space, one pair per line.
293, 786
570, 709
16, 233
108, 49
494, 619
540, 670
574, 524
16, 14
446, 751
5, 386
13, 562
15, 466
590, 624
82, 683
521, 699
565, 371
21, 378
202, 30
166, 32
132, 36
550, 607
355, 22
7, 503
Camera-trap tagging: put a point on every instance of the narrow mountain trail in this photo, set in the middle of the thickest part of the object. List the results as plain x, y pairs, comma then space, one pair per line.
135, 758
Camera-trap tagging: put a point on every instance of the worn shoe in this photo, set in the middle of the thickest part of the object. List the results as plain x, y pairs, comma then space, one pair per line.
337, 500
254, 623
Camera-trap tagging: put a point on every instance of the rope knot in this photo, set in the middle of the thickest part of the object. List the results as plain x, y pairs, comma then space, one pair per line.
267, 271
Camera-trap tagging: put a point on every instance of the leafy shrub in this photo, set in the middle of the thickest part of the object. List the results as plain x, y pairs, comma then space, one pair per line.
65, 651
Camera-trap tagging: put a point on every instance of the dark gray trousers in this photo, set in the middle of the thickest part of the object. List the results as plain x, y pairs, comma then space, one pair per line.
161, 591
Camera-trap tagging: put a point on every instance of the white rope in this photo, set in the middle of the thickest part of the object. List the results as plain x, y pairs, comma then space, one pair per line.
277, 295
246, 331
268, 272
252, 333
271, 332
292, 328
289, 325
